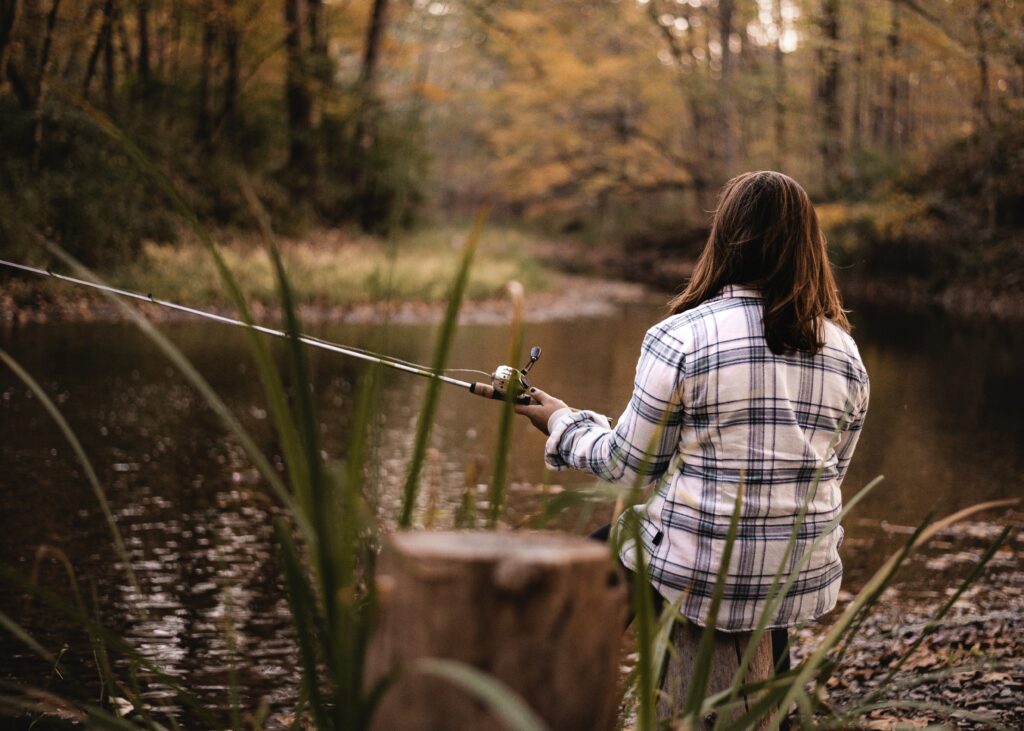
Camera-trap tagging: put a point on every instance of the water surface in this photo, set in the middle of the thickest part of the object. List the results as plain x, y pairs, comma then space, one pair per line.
943, 427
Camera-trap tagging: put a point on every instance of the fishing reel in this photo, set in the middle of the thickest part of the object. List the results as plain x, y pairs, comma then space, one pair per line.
506, 378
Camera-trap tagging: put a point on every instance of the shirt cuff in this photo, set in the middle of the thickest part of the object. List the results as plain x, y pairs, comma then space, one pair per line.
553, 419
561, 421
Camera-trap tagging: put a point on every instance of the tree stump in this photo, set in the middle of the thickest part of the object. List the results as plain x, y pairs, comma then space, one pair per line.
725, 663
541, 612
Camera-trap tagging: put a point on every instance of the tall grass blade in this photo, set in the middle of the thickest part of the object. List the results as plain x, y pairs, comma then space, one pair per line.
355, 561
276, 400
26, 639
951, 711
77, 614
90, 473
894, 686
301, 433
702, 663
505, 420
643, 628
444, 343
880, 578
768, 611
302, 601
777, 595
300, 709
846, 641
234, 692
99, 719
935, 622
205, 390
572, 497
649, 663
100, 653
501, 699
765, 703
316, 486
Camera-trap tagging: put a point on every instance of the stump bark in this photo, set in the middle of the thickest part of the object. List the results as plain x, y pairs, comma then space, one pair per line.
725, 662
541, 612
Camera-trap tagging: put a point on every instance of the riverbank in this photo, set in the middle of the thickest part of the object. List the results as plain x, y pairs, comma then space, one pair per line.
983, 281
971, 668
337, 276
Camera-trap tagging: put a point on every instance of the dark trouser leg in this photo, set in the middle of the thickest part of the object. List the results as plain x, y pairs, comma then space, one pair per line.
780, 655
657, 600
780, 649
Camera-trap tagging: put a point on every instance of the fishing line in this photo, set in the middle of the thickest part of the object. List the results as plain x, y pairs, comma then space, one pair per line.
501, 379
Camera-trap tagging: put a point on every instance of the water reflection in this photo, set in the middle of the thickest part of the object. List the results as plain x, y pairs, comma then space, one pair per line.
943, 428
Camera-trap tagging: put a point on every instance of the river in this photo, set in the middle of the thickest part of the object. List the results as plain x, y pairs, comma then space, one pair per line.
943, 428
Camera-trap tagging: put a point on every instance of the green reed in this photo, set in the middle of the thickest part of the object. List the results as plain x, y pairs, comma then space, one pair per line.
445, 338
505, 420
329, 534
763, 702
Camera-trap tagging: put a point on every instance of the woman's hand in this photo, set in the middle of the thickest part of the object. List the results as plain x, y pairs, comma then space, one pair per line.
540, 412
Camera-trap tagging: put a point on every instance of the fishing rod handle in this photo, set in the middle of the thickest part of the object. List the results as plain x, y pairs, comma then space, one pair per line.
487, 391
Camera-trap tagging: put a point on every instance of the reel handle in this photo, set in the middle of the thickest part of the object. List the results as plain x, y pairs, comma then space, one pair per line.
486, 390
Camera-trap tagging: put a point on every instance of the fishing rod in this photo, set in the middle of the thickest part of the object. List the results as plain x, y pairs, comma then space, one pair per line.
502, 379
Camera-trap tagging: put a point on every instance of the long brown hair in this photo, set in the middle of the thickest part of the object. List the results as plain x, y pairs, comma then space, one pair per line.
765, 234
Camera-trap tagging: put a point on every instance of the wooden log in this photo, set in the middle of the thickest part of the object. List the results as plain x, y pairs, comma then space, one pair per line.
725, 662
541, 612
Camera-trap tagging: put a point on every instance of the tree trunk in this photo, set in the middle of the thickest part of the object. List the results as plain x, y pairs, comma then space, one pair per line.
297, 95
8, 19
127, 62
40, 86
983, 106
94, 54
894, 127
780, 86
695, 138
728, 649
78, 41
726, 103
204, 122
828, 96
540, 612
371, 53
317, 29
109, 72
232, 41
22, 72
857, 105
44, 55
142, 16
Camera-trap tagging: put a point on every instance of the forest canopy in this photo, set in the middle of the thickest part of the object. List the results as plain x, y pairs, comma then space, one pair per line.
607, 118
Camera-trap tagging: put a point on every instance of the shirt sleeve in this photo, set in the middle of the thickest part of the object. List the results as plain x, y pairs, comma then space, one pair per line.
640, 447
848, 439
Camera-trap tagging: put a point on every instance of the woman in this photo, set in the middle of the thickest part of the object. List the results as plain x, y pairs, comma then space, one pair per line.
752, 380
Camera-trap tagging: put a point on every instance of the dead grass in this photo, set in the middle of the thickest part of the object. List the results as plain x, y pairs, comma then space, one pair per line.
339, 268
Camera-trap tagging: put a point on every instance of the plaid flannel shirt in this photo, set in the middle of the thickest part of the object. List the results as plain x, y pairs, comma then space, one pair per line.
713, 408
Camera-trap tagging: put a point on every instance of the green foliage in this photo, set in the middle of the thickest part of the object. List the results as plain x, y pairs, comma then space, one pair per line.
328, 537
505, 704
445, 338
338, 268
375, 167
77, 189
328, 568
950, 217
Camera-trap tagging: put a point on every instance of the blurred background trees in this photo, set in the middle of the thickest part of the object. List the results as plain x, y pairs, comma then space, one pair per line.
610, 119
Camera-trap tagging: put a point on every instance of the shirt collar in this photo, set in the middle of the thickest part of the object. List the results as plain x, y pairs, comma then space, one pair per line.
739, 290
